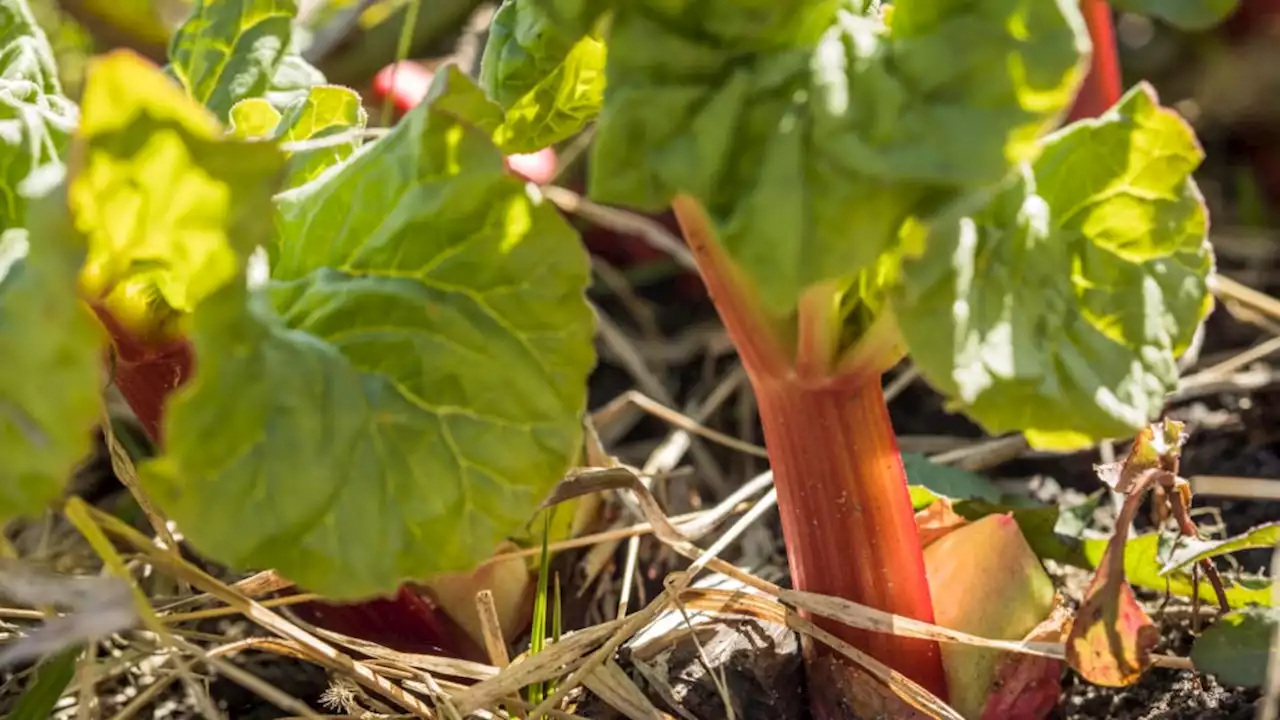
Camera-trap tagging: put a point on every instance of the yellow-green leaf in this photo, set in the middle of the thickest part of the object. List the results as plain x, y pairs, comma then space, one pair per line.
327, 111
409, 386
165, 198
253, 118
1058, 309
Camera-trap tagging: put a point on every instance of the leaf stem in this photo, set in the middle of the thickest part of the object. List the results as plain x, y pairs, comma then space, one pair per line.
758, 342
1102, 86
842, 492
847, 515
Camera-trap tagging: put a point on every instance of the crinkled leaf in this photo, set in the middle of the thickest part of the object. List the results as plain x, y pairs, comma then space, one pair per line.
25, 54
36, 121
50, 390
253, 118
160, 191
1192, 550
408, 389
1237, 649
228, 50
321, 112
549, 82
1185, 14
809, 133
325, 111
1058, 309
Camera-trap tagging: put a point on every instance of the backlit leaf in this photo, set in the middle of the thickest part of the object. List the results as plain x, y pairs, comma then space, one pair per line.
549, 82
228, 50
162, 194
1191, 550
810, 134
1059, 308
326, 111
253, 118
1142, 567
409, 387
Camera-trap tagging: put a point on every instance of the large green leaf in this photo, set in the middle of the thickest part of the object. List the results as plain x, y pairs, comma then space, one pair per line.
550, 82
410, 385
163, 195
1058, 308
50, 389
810, 133
1185, 14
50, 386
228, 50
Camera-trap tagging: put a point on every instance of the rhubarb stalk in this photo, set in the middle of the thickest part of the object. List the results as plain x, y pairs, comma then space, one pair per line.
846, 513
1102, 86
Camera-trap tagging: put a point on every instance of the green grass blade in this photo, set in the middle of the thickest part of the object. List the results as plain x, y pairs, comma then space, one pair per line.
52, 678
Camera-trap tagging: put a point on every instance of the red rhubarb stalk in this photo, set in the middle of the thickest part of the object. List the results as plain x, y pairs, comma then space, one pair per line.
846, 512
1102, 87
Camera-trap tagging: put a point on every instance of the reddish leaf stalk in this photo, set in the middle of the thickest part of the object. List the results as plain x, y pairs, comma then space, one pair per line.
842, 492
1102, 87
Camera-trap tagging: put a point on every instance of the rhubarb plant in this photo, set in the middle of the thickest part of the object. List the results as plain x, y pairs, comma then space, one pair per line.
364, 360
859, 181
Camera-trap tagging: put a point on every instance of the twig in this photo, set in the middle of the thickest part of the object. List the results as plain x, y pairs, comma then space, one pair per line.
622, 221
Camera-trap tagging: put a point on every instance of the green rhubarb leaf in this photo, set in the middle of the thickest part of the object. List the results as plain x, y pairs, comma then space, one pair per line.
1192, 550
326, 111
228, 50
253, 118
810, 134
26, 55
50, 390
408, 388
1059, 308
1185, 14
1237, 649
930, 480
319, 116
1142, 568
161, 193
36, 118
549, 82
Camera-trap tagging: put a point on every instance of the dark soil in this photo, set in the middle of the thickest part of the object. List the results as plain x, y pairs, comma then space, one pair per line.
1161, 694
